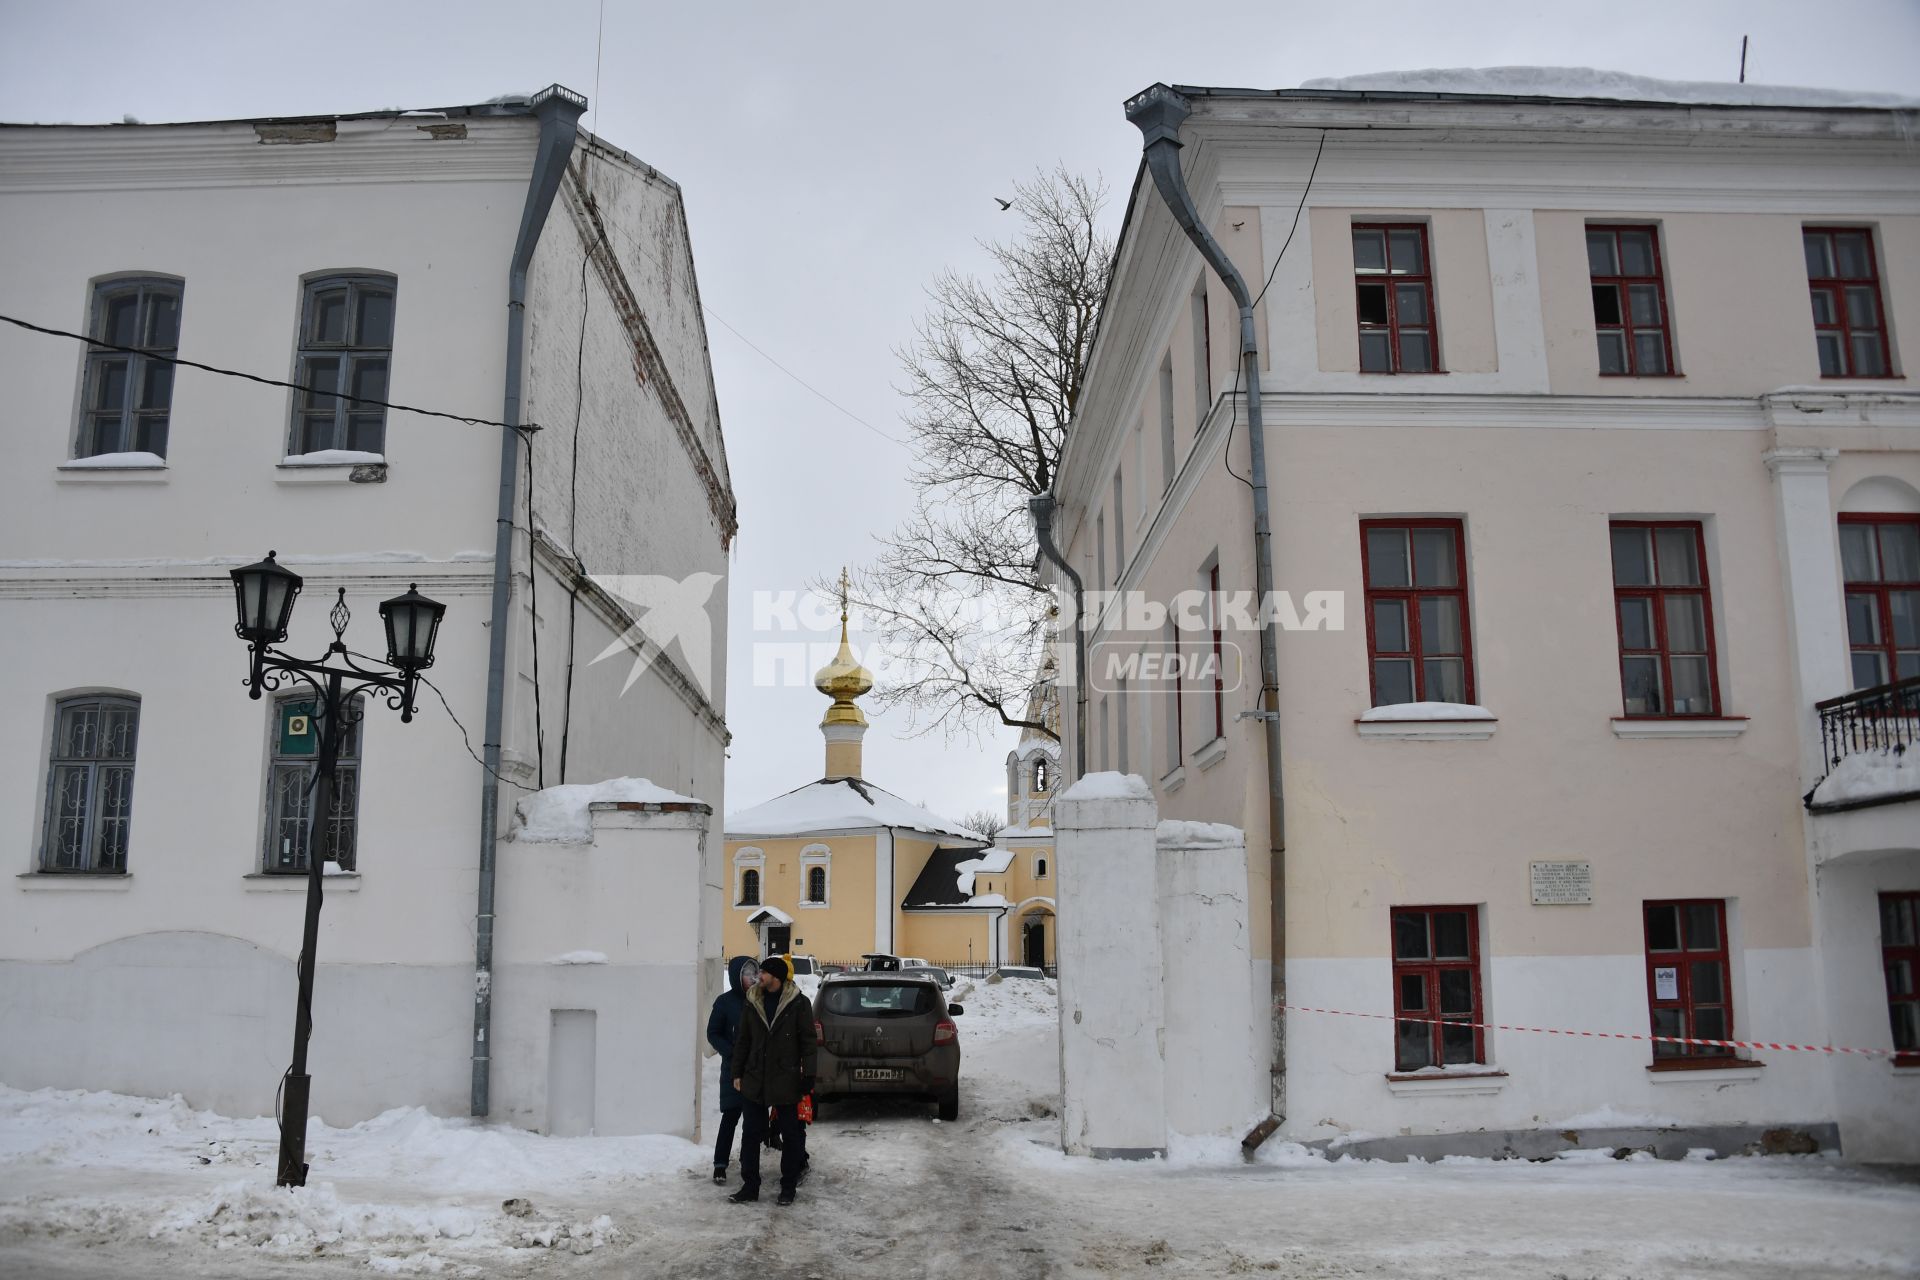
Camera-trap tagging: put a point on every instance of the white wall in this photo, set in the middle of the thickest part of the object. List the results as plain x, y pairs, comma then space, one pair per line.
117, 581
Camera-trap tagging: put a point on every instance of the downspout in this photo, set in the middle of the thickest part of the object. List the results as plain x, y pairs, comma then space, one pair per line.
558, 111
1041, 506
1158, 113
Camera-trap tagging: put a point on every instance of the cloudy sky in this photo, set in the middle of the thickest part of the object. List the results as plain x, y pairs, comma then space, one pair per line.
835, 157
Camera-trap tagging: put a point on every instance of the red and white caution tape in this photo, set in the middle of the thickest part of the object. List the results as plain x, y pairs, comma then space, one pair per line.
1598, 1035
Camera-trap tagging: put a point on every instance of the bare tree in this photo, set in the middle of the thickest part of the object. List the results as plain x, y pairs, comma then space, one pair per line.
992, 375
984, 821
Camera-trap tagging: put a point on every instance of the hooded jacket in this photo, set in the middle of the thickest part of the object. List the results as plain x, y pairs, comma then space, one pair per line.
774, 1053
723, 1028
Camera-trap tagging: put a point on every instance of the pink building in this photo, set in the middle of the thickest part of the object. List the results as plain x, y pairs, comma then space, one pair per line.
1593, 470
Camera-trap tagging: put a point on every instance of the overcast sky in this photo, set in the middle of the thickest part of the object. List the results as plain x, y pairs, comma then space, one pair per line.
835, 157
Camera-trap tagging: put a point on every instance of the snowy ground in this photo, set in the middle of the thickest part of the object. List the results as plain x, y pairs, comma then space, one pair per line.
100, 1185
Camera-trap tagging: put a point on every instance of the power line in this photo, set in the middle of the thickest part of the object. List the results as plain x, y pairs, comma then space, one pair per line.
757, 349
269, 382
1233, 397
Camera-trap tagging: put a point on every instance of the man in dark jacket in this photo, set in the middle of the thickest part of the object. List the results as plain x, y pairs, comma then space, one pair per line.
723, 1027
773, 1060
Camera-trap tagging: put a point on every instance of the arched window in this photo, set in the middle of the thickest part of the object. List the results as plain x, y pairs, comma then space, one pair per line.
750, 888
128, 397
1042, 775
1039, 868
346, 345
90, 784
816, 884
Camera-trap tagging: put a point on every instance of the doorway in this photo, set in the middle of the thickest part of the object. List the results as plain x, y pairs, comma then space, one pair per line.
1033, 942
779, 939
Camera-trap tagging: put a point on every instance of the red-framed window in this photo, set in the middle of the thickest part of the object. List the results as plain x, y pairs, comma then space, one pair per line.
1393, 294
1849, 319
1630, 318
1436, 976
1219, 666
1689, 983
1900, 950
1663, 608
1419, 641
1880, 560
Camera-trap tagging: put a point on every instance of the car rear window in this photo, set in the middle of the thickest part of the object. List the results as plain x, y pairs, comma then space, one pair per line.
879, 999
801, 966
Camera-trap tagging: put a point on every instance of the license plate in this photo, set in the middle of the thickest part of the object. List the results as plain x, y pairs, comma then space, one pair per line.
878, 1073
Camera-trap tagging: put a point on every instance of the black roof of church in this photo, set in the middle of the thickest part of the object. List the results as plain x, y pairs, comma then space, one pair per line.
938, 884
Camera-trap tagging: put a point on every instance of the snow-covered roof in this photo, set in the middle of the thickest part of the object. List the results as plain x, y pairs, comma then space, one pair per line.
563, 815
1589, 82
774, 914
990, 862
839, 804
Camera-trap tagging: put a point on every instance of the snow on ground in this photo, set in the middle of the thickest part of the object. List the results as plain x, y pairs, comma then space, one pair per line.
96, 1184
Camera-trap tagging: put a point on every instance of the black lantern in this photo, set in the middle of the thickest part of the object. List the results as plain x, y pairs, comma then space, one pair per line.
263, 595
412, 621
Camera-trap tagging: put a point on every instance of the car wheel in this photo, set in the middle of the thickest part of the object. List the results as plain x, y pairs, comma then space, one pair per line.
949, 1102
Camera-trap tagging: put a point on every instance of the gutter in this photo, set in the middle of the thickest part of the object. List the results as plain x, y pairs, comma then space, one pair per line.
1041, 507
1158, 113
558, 110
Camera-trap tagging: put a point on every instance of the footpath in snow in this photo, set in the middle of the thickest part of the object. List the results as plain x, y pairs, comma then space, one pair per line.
99, 1184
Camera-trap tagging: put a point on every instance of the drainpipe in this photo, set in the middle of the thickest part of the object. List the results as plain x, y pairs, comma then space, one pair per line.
558, 111
1158, 113
1041, 506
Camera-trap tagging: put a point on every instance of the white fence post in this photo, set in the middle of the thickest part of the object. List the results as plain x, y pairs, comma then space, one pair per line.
1112, 1042
1213, 1063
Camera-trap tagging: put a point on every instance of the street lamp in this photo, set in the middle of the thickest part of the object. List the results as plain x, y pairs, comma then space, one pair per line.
263, 598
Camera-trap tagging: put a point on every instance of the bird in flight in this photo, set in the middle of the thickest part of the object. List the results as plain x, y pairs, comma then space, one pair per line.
1004, 204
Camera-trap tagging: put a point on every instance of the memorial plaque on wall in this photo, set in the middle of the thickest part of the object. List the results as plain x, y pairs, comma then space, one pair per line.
1562, 884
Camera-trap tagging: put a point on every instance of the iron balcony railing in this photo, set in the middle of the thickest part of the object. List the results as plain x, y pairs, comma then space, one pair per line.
1884, 718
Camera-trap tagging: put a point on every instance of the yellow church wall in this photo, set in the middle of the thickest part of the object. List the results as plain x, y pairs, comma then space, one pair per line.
946, 937
839, 931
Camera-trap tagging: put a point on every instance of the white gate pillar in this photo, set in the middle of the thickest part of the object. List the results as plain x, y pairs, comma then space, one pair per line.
1112, 1036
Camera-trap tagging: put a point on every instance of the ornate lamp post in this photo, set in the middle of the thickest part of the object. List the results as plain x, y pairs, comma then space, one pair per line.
263, 595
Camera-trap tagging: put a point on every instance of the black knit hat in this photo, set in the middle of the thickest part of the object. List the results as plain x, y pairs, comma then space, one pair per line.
776, 966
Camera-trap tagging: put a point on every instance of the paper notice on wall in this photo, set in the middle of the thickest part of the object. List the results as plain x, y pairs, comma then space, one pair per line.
1557, 884
1666, 982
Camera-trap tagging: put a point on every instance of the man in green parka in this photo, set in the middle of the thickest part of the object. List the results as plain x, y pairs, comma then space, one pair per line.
773, 1061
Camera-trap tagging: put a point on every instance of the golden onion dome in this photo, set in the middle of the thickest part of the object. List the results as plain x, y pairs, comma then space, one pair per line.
843, 679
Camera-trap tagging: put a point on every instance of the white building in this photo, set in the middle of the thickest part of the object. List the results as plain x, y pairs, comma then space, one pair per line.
455, 261
1590, 409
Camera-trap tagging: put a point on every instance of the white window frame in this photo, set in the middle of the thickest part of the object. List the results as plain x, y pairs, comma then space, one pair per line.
815, 855
745, 860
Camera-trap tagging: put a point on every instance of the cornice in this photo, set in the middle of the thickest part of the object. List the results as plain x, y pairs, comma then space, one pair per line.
396, 149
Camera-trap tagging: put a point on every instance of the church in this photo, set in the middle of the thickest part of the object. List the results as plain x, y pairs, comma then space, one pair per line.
842, 867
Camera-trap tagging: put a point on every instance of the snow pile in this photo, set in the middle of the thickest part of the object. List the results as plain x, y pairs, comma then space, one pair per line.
991, 862
563, 815
1109, 786
1191, 834
1588, 82
333, 458
395, 1239
115, 461
1428, 711
1871, 775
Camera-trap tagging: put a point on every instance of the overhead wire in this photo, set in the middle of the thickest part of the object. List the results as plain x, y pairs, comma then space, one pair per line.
1233, 402
102, 344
